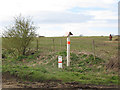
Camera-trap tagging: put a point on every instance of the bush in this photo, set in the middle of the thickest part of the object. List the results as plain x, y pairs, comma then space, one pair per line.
63, 53
91, 60
31, 57
19, 35
21, 57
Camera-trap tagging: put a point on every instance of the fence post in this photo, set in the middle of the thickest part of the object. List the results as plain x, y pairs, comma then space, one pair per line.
53, 45
94, 48
37, 44
60, 44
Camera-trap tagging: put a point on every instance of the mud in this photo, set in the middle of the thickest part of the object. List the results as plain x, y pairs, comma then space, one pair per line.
14, 82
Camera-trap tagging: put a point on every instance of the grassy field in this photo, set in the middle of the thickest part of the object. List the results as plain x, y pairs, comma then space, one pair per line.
42, 64
103, 47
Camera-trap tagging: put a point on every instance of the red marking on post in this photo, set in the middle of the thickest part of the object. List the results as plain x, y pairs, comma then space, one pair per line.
68, 42
60, 62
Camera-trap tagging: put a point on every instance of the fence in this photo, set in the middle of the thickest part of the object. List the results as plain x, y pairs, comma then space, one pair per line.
99, 46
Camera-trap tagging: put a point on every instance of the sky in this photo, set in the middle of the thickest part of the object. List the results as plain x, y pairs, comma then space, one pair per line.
57, 17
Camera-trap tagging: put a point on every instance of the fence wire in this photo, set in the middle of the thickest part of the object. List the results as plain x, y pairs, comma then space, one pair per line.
100, 47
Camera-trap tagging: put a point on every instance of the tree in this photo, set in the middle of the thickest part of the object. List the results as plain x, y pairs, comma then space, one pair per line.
20, 35
81, 35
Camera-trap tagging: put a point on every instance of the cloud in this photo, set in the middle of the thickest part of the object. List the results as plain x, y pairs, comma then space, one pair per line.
11, 7
61, 17
91, 28
103, 14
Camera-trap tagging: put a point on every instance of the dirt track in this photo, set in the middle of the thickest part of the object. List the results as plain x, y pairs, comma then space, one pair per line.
13, 82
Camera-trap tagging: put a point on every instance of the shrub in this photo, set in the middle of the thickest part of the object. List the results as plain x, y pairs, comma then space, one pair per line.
19, 35
21, 57
63, 53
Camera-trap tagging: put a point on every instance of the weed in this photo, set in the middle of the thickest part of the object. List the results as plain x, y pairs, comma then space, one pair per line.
21, 57
31, 57
74, 57
63, 53
84, 56
84, 68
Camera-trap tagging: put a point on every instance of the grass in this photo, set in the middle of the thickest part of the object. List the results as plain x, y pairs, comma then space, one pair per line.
80, 71
42, 65
102, 48
42, 74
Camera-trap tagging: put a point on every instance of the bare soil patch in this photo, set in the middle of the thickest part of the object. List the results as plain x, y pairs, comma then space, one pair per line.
10, 81
111, 41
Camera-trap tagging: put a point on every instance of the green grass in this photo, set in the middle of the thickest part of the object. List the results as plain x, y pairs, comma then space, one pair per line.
42, 74
102, 48
83, 69
42, 65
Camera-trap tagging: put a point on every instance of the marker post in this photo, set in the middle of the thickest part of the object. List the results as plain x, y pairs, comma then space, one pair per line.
59, 61
68, 51
68, 48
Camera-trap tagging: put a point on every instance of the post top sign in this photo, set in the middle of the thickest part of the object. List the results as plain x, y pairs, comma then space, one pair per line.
69, 33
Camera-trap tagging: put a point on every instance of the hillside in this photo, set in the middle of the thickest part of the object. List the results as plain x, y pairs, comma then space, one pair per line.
42, 65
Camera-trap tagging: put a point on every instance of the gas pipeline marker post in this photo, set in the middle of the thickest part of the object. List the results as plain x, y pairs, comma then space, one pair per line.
68, 48
59, 61
68, 51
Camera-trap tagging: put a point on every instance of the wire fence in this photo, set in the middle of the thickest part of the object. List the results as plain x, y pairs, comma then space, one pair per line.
100, 47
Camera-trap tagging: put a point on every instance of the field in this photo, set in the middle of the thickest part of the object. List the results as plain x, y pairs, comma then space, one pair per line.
93, 64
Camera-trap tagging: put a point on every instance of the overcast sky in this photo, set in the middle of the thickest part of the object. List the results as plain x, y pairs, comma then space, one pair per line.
56, 17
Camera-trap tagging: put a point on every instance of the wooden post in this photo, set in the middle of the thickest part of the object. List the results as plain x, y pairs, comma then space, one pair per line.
53, 45
94, 48
37, 44
68, 51
60, 44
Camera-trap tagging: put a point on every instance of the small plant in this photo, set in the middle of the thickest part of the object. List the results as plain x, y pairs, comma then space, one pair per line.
74, 57
21, 57
63, 53
84, 56
91, 59
49, 56
82, 63
31, 57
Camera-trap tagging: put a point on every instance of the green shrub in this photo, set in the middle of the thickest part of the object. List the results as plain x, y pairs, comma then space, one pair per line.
21, 57
84, 56
63, 53
114, 77
31, 57
82, 63
91, 60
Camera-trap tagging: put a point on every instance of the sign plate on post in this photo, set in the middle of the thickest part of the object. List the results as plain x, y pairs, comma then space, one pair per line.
59, 61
